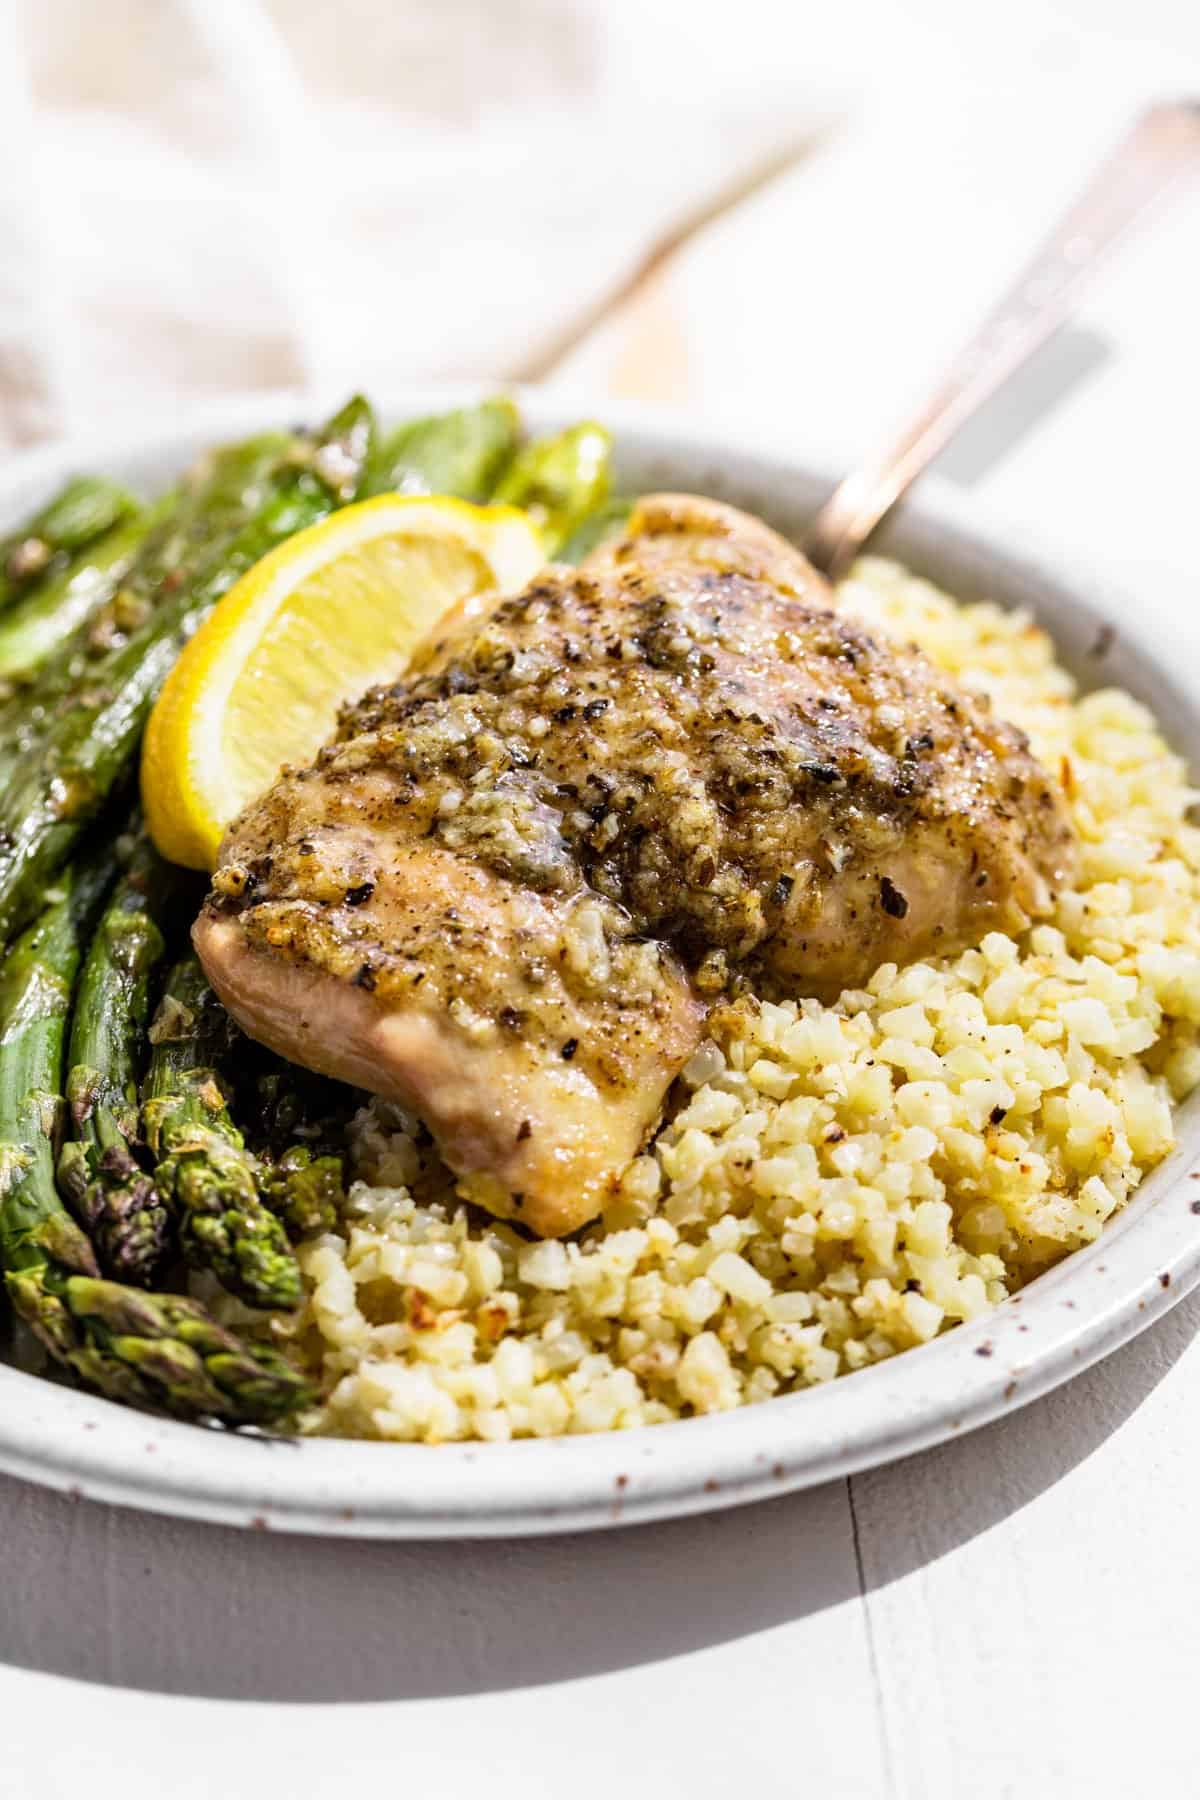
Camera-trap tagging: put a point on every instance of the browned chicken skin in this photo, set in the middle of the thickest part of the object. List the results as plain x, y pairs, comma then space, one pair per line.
508, 892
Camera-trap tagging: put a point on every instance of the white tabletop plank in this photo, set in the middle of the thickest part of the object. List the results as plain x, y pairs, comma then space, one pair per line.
1031, 1590
588, 1654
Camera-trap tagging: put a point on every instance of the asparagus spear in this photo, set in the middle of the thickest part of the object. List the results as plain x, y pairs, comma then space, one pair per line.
596, 528
223, 491
297, 1126
204, 1173
461, 453
74, 758
156, 1350
214, 499
111, 1194
560, 480
48, 616
80, 512
305, 1189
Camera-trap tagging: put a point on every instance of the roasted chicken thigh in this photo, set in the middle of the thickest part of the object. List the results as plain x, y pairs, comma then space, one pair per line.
510, 889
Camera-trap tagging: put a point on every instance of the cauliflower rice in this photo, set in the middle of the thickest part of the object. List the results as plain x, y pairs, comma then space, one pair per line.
839, 1182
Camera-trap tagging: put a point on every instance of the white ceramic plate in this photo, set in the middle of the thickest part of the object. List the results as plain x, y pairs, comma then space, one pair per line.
1100, 1297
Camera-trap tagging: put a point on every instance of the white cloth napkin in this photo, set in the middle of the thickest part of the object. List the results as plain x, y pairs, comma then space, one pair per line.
201, 196
208, 195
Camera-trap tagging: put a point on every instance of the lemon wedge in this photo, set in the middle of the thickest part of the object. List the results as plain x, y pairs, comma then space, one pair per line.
331, 611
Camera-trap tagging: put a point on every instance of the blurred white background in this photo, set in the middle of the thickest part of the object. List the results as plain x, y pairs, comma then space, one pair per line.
207, 195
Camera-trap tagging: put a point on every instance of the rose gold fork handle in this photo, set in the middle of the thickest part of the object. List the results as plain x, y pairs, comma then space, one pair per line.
1163, 144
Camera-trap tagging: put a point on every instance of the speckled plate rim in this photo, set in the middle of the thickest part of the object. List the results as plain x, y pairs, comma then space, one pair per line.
1147, 1259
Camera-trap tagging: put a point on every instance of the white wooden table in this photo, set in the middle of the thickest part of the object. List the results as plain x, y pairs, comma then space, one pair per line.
1013, 1614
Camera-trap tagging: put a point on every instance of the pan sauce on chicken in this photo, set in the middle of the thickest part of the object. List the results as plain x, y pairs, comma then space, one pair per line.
511, 888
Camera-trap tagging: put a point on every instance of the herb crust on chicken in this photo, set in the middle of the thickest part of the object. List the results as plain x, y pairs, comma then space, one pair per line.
511, 888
